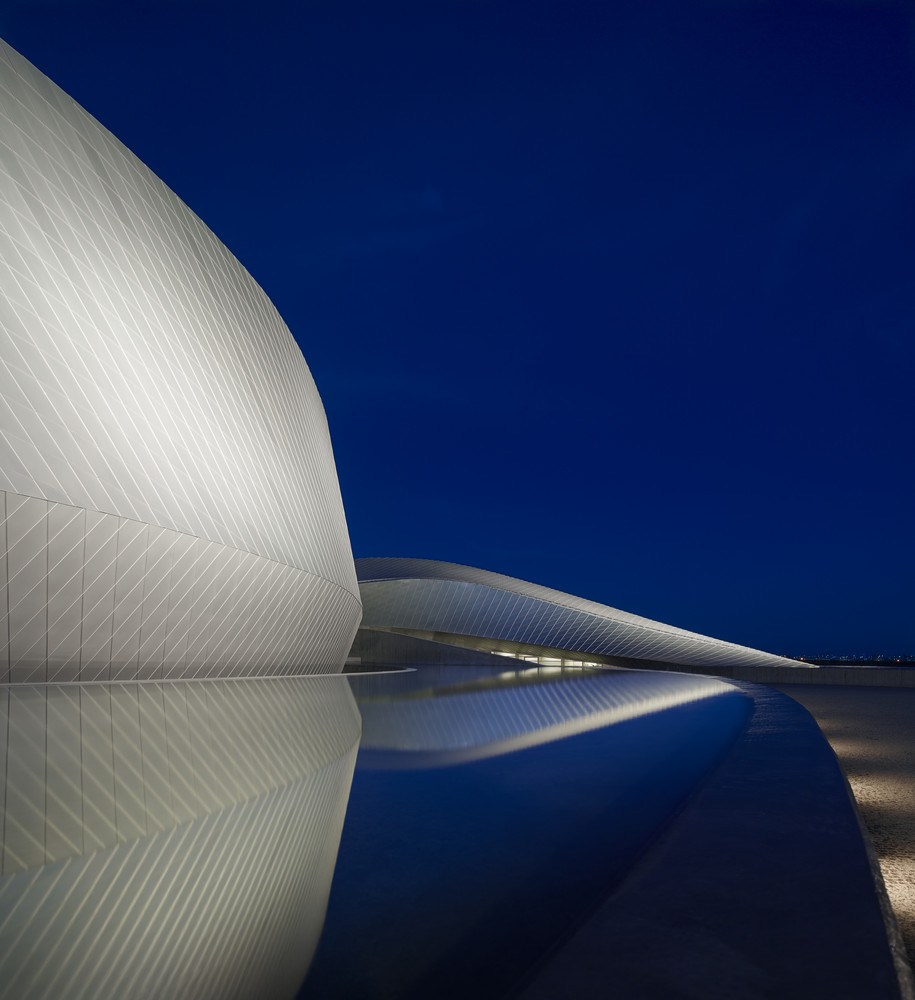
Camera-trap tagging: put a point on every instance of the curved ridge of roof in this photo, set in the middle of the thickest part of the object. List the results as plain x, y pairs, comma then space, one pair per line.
385, 569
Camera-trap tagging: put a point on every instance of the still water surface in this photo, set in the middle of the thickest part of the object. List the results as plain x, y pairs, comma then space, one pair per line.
180, 839
490, 814
169, 840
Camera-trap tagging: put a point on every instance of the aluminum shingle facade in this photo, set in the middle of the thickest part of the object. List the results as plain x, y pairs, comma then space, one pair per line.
168, 494
461, 605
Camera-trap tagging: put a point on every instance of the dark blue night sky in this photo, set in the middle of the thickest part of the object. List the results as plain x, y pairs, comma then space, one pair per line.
613, 296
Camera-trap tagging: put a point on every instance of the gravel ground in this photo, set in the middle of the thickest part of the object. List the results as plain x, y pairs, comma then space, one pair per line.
872, 730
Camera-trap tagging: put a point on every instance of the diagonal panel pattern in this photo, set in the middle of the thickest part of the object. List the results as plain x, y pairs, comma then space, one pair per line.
97, 597
464, 606
169, 489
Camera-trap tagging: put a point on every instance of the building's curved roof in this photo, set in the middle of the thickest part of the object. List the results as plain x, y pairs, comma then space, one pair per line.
427, 596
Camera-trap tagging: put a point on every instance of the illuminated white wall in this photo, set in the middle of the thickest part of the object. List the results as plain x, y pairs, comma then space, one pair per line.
168, 493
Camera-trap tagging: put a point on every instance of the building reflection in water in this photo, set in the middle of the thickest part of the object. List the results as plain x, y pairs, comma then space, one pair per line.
493, 811
439, 716
170, 839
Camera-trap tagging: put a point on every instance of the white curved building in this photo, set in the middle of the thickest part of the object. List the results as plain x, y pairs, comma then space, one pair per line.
440, 612
167, 487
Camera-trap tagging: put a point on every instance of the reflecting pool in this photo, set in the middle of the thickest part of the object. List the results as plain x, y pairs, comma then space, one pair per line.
180, 839
171, 839
491, 813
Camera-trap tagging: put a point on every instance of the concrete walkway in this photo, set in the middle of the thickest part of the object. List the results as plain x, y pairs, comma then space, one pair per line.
872, 731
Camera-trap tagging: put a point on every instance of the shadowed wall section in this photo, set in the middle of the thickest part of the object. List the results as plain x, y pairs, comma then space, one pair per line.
168, 494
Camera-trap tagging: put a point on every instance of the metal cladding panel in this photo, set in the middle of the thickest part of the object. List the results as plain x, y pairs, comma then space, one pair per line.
424, 596
154, 409
145, 603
